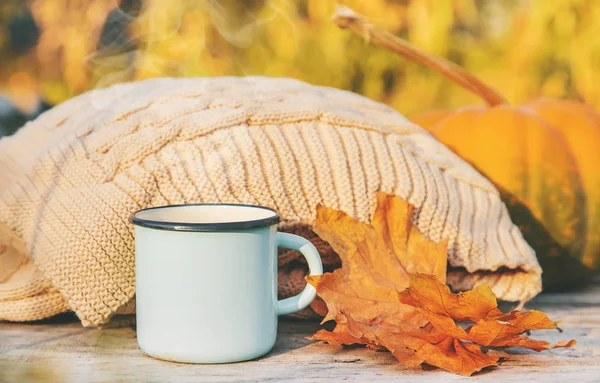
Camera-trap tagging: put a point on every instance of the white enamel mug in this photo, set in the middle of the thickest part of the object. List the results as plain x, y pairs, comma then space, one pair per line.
206, 281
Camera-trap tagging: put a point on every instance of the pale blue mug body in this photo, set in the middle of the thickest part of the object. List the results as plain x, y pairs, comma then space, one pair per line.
206, 281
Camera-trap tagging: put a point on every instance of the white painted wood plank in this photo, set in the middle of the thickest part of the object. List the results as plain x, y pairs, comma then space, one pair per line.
66, 352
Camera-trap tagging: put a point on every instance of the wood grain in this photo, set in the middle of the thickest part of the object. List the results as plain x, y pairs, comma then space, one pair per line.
63, 351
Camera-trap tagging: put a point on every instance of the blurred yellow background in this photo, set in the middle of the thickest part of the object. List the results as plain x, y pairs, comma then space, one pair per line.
52, 50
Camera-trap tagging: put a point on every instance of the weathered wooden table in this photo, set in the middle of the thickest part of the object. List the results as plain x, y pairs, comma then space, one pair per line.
63, 351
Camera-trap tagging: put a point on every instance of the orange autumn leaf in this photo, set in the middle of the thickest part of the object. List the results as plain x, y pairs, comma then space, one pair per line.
390, 294
491, 328
426, 293
341, 335
376, 261
426, 345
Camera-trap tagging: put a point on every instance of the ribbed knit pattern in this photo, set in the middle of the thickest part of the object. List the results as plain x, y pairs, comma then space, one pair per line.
70, 180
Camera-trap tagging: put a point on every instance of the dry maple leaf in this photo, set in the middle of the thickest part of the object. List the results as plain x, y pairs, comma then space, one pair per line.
425, 345
376, 262
491, 327
390, 294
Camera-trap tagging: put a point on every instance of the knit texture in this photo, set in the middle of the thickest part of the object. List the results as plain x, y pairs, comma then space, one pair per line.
70, 180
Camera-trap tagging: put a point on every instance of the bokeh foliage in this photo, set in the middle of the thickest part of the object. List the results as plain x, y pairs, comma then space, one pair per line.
56, 49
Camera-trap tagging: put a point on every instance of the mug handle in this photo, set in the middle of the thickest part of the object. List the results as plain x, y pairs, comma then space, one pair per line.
302, 300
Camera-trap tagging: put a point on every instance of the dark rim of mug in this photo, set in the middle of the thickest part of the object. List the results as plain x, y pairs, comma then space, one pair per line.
218, 226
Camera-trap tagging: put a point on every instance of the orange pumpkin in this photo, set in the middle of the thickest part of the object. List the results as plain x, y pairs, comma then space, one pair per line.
541, 155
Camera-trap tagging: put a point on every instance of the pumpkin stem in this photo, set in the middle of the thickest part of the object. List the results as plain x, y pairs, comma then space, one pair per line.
346, 18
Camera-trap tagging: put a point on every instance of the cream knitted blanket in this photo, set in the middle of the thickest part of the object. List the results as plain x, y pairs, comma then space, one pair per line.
70, 180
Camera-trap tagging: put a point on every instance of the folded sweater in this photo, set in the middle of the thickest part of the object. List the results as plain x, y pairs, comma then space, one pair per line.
70, 180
